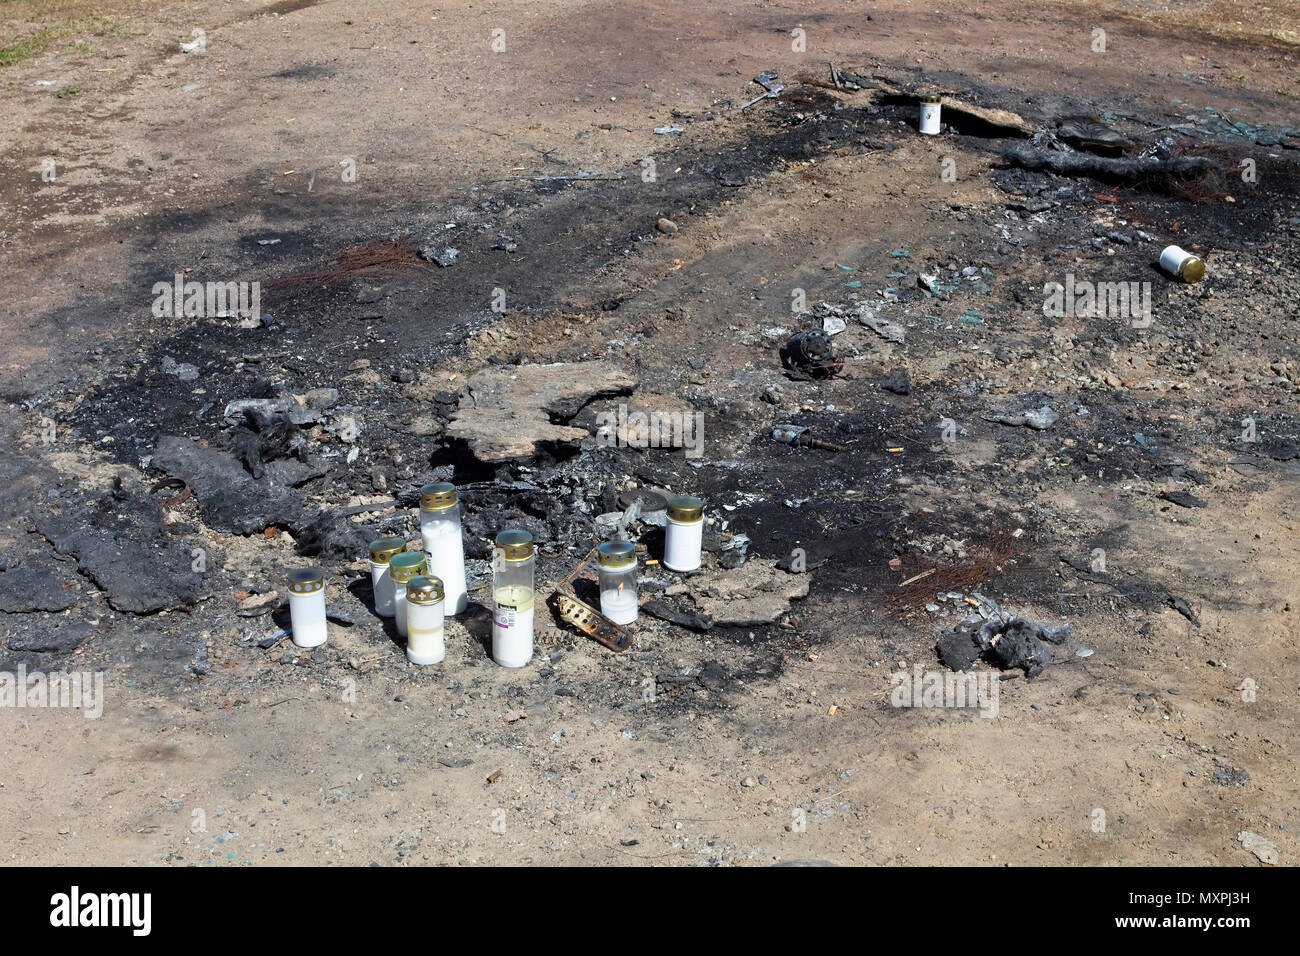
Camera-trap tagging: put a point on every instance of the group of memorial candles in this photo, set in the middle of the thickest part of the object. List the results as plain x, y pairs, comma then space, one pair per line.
419, 589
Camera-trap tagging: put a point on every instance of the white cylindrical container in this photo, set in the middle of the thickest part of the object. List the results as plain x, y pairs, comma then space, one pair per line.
616, 562
307, 606
513, 566
424, 638
930, 115
381, 552
1177, 261
401, 568
443, 544
685, 533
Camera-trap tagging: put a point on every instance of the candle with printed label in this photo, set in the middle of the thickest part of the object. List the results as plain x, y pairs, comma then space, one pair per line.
513, 566
930, 112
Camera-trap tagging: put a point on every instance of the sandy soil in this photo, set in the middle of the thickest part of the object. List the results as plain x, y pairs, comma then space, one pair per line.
347, 756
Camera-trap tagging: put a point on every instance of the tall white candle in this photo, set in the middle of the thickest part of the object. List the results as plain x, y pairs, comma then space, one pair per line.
443, 544
444, 550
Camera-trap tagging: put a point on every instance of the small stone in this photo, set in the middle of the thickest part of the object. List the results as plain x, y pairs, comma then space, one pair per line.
182, 370
749, 782
1263, 848
666, 226
897, 381
444, 256
322, 398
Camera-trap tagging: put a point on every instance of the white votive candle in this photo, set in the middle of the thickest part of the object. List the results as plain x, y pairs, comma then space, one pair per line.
1177, 261
684, 536
307, 606
401, 568
381, 552
424, 621
930, 112
616, 561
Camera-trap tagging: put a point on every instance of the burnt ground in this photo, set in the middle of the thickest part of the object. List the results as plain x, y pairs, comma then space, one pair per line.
134, 537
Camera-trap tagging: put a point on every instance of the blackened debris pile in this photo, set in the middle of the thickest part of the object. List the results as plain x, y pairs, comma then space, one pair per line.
121, 541
1003, 640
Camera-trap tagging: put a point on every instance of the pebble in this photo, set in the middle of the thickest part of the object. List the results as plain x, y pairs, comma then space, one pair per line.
321, 398
666, 226
1262, 847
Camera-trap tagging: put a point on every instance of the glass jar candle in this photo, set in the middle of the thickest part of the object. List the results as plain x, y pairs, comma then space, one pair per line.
1177, 261
401, 568
616, 563
930, 109
685, 533
513, 567
443, 545
381, 552
307, 606
424, 639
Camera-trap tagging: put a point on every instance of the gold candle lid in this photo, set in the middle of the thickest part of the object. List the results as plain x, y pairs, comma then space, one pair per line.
402, 567
439, 495
515, 543
306, 580
424, 589
930, 98
383, 549
686, 508
1192, 269
616, 554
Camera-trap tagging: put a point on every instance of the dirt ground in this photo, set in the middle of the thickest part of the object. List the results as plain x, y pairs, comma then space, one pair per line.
759, 744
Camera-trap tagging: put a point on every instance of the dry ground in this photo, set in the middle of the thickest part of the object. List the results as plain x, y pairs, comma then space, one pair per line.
346, 756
